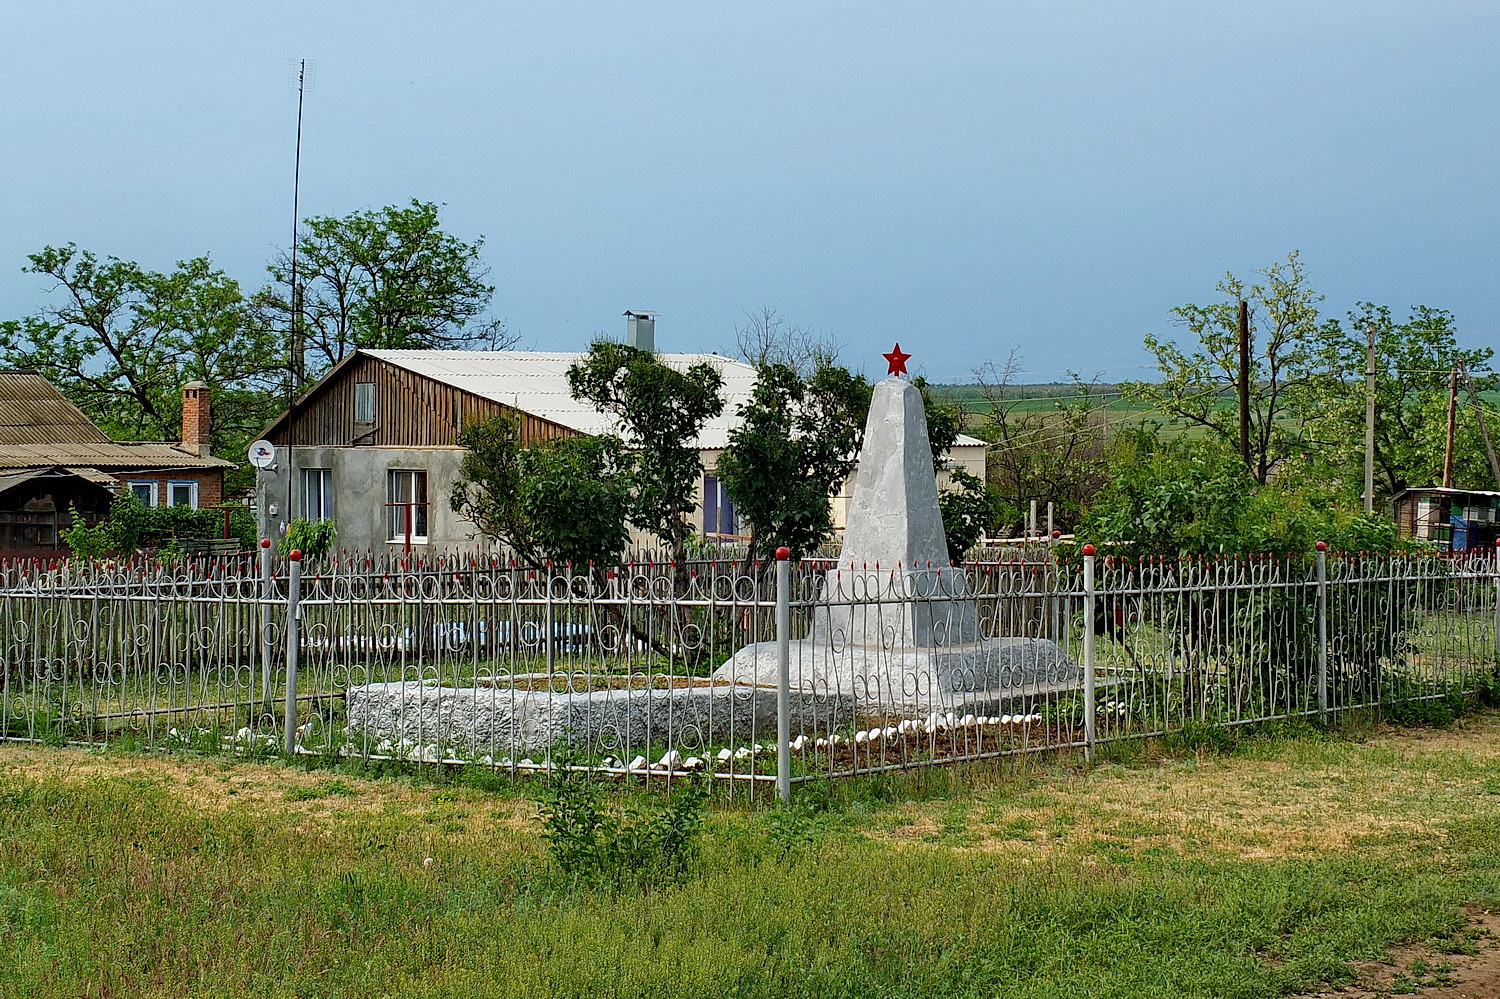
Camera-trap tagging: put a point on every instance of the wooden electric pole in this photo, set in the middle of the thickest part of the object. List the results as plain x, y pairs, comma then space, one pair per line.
1370, 419
1452, 425
1244, 385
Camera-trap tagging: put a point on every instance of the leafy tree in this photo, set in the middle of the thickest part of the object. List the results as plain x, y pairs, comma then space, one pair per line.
563, 499
1195, 503
796, 443
1170, 497
1198, 385
1412, 362
390, 279
123, 340
968, 507
660, 412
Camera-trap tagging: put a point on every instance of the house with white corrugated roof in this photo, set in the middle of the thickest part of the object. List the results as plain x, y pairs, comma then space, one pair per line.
374, 444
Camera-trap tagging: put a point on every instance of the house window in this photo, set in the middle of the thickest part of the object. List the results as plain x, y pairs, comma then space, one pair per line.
718, 509
406, 505
145, 492
317, 493
364, 402
182, 492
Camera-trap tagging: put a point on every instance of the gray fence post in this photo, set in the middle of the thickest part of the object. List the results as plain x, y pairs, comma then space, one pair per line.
1090, 736
293, 647
1497, 600
1322, 631
783, 676
266, 645
1054, 605
549, 623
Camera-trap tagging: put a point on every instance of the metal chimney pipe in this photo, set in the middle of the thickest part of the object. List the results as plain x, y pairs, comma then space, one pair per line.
640, 329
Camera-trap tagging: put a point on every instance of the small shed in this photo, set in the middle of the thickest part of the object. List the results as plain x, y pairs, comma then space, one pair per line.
1457, 519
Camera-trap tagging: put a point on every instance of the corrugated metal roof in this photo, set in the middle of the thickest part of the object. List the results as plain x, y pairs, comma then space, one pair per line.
39, 426
13, 479
94, 475
33, 411
536, 382
9, 480
106, 455
1445, 491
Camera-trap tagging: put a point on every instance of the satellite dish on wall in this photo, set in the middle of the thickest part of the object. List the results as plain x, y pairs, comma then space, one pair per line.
262, 454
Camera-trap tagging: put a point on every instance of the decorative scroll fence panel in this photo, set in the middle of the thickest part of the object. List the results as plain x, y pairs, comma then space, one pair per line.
468, 659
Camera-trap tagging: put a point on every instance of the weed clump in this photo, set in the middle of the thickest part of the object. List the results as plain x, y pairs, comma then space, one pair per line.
591, 841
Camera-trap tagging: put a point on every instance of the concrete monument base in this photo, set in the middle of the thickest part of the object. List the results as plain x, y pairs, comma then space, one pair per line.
914, 680
498, 721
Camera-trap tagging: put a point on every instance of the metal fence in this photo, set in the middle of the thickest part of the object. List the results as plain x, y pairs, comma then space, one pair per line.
654, 670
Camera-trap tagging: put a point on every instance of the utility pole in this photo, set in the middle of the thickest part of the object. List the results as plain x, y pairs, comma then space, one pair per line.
1452, 425
1484, 430
1370, 419
1244, 385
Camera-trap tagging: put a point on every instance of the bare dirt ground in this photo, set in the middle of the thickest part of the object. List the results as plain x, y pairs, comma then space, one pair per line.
1429, 973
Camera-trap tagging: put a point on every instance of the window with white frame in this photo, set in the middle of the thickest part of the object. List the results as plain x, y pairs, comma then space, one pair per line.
406, 505
182, 492
317, 493
144, 491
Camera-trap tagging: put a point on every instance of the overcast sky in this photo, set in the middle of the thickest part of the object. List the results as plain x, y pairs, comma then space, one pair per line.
966, 178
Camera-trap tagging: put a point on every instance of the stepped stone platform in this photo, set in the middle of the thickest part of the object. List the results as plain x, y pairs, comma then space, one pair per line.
497, 720
979, 677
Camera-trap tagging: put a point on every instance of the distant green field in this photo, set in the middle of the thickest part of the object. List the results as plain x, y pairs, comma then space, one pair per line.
1044, 398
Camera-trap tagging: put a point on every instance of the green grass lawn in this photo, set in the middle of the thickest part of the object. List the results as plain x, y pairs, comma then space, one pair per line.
1257, 871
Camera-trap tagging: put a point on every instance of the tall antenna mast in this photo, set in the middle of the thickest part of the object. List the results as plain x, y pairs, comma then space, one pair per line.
295, 347
295, 351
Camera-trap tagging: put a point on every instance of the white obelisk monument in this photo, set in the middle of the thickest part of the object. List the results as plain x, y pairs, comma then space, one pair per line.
895, 624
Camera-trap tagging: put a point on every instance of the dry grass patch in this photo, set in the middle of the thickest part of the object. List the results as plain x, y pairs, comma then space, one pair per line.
315, 798
1298, 799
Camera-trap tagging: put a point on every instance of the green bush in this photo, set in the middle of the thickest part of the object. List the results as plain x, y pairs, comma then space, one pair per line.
132, 526
590, 841
1194, 503
313, 538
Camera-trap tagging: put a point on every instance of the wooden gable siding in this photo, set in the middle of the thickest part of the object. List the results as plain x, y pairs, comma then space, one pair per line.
411, 410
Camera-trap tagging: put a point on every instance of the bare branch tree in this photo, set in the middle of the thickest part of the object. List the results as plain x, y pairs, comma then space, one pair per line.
1054, 453
767, 338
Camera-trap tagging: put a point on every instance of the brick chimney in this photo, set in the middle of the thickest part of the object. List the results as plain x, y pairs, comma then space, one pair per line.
197, 419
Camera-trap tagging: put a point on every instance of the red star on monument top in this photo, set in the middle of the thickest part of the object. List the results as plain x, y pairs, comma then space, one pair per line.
897, 360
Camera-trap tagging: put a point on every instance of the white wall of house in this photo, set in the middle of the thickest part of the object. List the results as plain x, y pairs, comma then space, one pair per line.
368, 493
373, 494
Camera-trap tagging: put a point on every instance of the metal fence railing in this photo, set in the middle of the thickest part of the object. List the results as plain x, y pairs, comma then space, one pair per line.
655, 669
